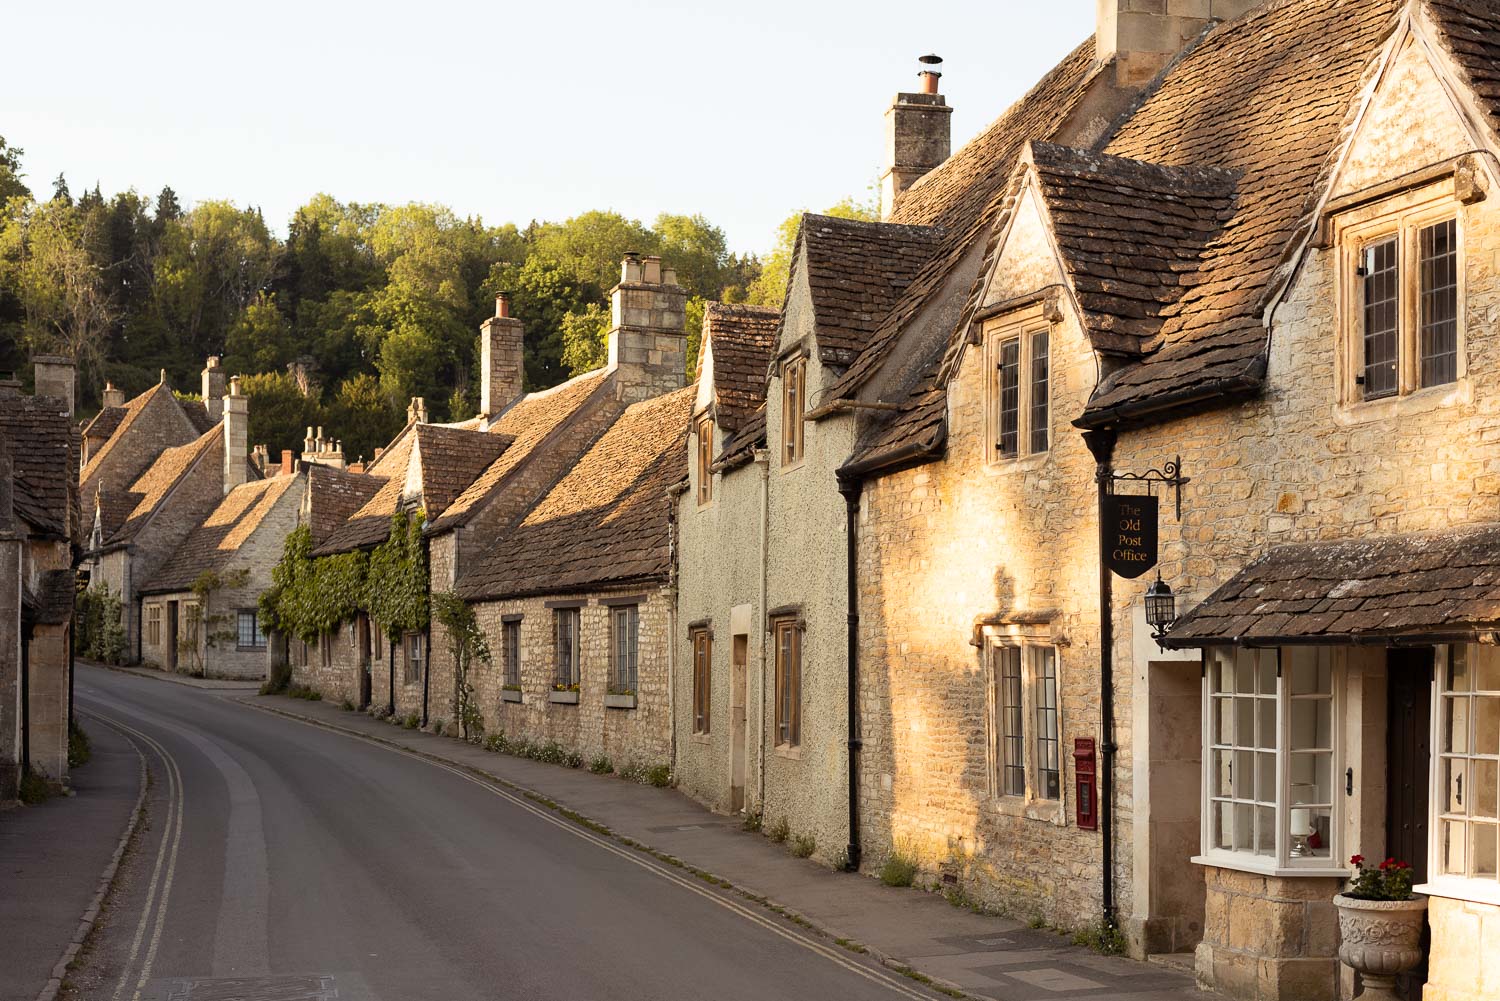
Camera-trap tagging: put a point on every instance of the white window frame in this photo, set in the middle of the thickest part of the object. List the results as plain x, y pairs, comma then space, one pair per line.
1482, 889
1280, 862
1022, 328
1402, 218
1033, 802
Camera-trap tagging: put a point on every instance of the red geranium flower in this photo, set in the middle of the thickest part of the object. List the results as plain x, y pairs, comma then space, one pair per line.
1356, 859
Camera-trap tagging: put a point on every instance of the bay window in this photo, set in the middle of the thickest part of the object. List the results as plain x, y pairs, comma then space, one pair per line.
1467, 801
1270, 757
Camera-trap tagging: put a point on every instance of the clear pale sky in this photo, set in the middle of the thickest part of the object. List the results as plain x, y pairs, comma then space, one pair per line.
743, 112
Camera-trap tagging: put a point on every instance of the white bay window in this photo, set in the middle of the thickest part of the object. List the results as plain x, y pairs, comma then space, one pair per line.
1467, 801
1270, 759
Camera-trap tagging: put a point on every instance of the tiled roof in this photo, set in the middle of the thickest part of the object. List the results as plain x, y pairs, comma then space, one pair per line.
197, 414
743, 339
444, 460
1271, 96
214, 543
152, 486
917, 430
606, 523
1131, 236
1433, 584
533, 420
856, 271
37, 434
740, 448
336, 495
104, 423
132, 410
964, 195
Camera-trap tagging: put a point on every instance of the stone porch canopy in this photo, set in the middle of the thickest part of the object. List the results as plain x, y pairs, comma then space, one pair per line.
1435, 587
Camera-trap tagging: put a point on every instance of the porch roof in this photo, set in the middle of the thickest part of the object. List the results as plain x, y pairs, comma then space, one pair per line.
1421, 586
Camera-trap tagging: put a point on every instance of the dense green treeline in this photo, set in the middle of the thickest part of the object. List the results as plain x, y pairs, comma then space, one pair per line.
357, 309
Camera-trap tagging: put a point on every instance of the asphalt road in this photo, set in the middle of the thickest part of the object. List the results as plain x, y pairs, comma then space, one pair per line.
282, 861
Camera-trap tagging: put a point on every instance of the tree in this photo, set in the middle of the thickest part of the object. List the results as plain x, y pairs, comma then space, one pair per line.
260, 340
589, 247
279, 412
584, 337
362, 416
542, 293
10, 173
467, 646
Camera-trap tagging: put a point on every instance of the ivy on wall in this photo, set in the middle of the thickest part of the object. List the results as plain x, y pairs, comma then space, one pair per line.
309, 597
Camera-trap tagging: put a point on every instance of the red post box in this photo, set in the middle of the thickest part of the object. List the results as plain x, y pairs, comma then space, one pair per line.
1085, 771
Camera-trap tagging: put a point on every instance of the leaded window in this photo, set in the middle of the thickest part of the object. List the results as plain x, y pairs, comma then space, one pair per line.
1020, 395
1012, 750
511, 653
625, 622
788, 638
247, 630
566, 648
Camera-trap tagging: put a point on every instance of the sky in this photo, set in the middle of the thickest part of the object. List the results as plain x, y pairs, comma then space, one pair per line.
744, 112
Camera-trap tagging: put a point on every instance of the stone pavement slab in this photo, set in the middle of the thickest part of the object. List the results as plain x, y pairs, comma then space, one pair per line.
987, 957
52, 857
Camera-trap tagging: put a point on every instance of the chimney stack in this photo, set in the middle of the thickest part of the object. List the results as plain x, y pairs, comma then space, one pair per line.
918, 135
286, 462
236, 435
1142, 36
647, 337
501, 365
213, 388
113, 397
54, 377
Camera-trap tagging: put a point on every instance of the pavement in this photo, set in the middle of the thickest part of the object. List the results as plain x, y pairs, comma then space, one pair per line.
204, 684
982, 956
52, 859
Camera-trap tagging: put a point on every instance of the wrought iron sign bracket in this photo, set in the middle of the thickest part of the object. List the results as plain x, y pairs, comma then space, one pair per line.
1169, 475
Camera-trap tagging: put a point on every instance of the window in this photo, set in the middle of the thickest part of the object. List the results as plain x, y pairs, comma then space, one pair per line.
788, 637
153, 625
566, 622
705, 460
1270, 758
379, 641
414, 662
1024, 714
624, 644
325, 649
1468, 801
793, 406
247, 630
1020, 400
510, 652
1404, 302
703, 653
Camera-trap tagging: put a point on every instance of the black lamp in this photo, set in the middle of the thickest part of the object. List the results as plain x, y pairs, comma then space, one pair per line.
1161, 607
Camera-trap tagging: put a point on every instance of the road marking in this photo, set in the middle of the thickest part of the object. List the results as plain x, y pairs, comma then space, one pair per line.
831, 953
165, 870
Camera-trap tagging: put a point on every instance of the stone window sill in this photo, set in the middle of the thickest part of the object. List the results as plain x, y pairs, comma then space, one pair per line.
1354, 412
792, 752
510, 695
563, 698
1268, 867
1046, 811
612, 701
706, 739
1477, 891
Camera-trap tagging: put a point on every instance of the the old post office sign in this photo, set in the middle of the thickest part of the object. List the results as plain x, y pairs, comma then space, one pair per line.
1130, 527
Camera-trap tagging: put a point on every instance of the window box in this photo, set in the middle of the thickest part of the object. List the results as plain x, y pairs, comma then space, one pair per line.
564, 698
510, 695
619, 701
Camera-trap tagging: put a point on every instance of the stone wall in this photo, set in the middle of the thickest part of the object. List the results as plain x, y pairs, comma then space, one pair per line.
639, 736
1265, 937
1465, 961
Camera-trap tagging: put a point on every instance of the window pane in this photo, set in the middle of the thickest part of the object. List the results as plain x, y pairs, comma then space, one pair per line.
1438, 260
1012, 763
1265, 830
1223, 779
1380, 313
1454, 776
1312, 723
1040, 416
1484, 850
1487, 724
1223, 716
1486, 788
1310, 776
1048, 764
1453, 849
1456, 724
1265, 777
1244, 827
1008, 443
1222, 820
1458, 669
1265, 723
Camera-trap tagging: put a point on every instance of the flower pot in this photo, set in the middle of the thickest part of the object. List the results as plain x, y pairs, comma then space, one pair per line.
617, 701
1381, 939
563, 698
510, 695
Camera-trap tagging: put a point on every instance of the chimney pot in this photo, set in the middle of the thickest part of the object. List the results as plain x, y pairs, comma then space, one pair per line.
918, 135
112, 397
286, 461
502, 304
651, 270
930, 72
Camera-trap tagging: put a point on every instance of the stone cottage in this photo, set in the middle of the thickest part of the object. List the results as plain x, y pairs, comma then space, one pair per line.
38, 543
140, 518
1264, 278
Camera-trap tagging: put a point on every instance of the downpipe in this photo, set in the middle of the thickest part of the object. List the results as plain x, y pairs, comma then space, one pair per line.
1101, 442
850, 488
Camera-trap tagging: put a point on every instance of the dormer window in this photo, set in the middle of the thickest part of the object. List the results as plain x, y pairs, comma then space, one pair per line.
1019, 390
705, 459
793, 407
1402, 299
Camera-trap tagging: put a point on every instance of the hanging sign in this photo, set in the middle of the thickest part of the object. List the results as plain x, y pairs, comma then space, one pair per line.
1130, 534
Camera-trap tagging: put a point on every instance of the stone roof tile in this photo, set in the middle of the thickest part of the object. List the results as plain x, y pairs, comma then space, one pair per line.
743, 340
212, 545
37, 434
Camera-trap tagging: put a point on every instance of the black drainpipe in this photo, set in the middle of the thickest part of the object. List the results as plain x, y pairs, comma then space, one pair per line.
26, 633
1101, 443
390, 676
850, 487
427, 629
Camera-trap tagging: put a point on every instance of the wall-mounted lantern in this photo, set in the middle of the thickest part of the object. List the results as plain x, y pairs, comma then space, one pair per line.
1161, 607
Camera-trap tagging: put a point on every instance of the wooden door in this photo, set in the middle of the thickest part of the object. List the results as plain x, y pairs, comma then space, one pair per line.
1408, 759
171, 636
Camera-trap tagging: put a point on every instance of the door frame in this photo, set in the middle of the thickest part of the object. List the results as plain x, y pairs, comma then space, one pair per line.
739, 730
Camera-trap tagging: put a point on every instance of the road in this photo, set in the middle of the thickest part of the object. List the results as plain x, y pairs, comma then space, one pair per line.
282, 861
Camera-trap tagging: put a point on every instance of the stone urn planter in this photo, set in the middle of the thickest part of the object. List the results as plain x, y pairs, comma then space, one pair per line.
1381, 939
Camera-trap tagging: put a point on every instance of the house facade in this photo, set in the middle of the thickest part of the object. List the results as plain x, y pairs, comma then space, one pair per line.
38, 544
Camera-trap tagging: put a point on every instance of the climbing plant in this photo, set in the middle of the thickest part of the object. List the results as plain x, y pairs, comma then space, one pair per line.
100, 633
466, 645
201, 622
311, 596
